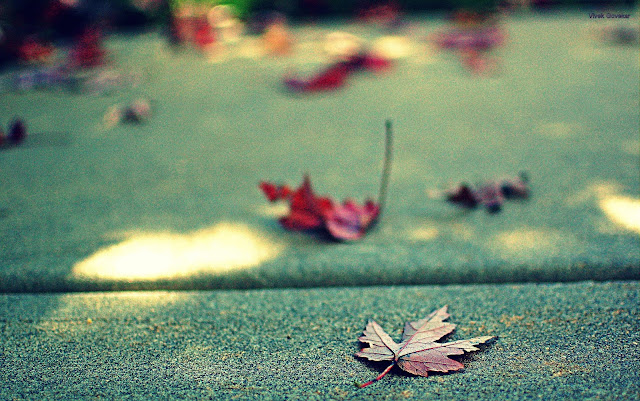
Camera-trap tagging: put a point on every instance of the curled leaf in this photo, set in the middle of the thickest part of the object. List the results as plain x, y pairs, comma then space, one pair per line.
16, 134
346, 221
350, 221
490, 194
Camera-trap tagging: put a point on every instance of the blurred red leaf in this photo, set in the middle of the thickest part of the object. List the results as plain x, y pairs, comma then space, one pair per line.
275, 192
490, 194
346, 221
16, 134
419, 352
331, 78
350, 221
335, 76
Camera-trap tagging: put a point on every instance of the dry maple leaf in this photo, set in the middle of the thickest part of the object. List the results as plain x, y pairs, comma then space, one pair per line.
490, 194
418, 353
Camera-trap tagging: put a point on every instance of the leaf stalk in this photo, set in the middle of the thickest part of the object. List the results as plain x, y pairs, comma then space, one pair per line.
386, 168
380, 376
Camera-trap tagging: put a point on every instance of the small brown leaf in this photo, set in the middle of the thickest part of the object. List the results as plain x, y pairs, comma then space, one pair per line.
418, 353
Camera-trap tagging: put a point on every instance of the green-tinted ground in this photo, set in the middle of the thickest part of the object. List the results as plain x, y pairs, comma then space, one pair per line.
177, 198
556, 342
174, 204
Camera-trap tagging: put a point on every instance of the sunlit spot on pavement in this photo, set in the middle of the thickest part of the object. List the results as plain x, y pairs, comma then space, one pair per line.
150, 256
424, 233
273, 210
623, 211
393, 47
526, 244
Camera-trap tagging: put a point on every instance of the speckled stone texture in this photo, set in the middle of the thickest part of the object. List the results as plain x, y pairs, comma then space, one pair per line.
556, 341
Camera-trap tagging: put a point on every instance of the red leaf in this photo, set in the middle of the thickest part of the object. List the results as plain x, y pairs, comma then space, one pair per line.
335, 76
275, 192
350, 221
329, 79
343, 222
299, 220
270, 191
491, 194
376, 63
418, 353
464, 196
17, 132
517, 187
308, 211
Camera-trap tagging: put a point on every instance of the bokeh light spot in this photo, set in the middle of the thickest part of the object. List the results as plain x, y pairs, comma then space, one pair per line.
424, 233
527, 244
150, 256
623, 211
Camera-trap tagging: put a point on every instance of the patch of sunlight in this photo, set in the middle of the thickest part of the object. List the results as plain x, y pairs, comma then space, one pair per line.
151, 256
558, 129
527, 243
95, 306
425, 233
278, 209
251, 48
596, 190
462, 231
217, 54
623, 211
393, 47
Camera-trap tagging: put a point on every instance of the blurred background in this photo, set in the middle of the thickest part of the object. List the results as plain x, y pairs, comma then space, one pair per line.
51, 20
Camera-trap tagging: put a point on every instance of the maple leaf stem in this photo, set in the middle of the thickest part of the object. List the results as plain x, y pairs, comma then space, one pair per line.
386, 168
384, 372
